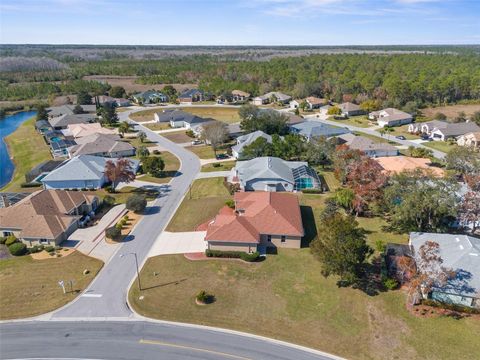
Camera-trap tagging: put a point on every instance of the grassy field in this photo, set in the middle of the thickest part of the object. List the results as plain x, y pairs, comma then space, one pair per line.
200, 204
440, 146
203, 151
223, 166
359, 121
287, 298
452, 110
29, 287
179, 137
28, 149
158, 126
225, 114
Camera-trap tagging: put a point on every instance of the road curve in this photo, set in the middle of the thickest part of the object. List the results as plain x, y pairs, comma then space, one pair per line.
131, 340
106, 296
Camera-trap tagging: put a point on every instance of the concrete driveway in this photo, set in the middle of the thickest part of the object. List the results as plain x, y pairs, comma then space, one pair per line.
178, 243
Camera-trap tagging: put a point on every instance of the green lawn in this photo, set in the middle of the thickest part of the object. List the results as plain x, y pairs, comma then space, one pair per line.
29, 287
358, 121
286, 297
389, 139
443, 146
121, 195
330, 179
28, 149
202, 151
222, 166
200, 204
172, 164
158, 126
136, 143
145, 115
403, 130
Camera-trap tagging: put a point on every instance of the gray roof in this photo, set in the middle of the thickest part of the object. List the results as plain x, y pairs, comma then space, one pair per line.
148, 94
180, 115
83, 167
64, 120
267, 168
460, 253
458, 129
99, 143
348, 106
68, 109
280, 96
190, 93
392, 115
311, 129
247, 139
365, 144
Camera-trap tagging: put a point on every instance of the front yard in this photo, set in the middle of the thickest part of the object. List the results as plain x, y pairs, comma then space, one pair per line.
443, 146
30, 287
219, 166
121, 195
358, 121
179, 137
203, 151
200, 204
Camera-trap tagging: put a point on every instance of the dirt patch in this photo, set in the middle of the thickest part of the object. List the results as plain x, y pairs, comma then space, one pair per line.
452, 110
128, 83
43, 255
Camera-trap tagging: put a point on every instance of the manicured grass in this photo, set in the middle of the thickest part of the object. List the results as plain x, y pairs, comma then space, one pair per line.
287, 298
30, 287
121, 195
330, 179
136, 143
358, 121
200, 204
223, 166
28, 149
179, 137
202, 151
440, 146
145, 115
172, 164
158, 126
402, 130
389, 139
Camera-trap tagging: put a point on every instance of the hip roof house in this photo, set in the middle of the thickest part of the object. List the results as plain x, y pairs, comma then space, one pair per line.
62, 121
246, 140
368, 146
312, 129
390, 117
102, 145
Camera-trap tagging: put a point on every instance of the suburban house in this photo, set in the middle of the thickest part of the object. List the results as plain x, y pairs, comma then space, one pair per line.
239, 96
426, 127
42, 169
259, 220
470, 140
367, 146
295, 104
246, 140
117, 102
273, 174
390, 117
82, 130
272, 97
43, 126
350, 109
150, 97
461, 253
312, 129
453, 130
55, 111
62, 121
102, 145
315, 102
191, 96
81, 172
180, 119
47, 216
398, 164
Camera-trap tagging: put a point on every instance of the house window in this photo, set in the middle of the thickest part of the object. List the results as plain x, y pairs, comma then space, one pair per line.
283, 239
269, 238
43, 241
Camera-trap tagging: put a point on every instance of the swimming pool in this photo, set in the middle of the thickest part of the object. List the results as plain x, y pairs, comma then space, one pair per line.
55, 139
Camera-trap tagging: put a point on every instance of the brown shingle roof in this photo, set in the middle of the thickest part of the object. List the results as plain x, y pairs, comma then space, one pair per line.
397, 164
260, 213
44, 214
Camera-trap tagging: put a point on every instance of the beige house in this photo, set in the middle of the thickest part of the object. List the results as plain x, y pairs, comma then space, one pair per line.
259, 220
82, 130
46, 217
471, 140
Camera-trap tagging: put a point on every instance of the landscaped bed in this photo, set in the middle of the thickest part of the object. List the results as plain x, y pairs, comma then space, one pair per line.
30, 287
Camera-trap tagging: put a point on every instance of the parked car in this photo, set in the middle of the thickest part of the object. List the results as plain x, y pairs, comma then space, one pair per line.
425, 137
196, 142
400, 137
222, 156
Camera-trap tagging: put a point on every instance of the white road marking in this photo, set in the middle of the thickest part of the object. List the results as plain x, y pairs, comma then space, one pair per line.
92, 295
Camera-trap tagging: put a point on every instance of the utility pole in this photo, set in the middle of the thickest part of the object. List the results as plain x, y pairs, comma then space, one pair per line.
136, 268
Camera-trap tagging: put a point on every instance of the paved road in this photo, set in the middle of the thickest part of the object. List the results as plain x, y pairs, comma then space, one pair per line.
436, 153
106, 296
137, 340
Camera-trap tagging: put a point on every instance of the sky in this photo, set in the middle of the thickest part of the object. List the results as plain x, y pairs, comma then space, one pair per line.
240, 22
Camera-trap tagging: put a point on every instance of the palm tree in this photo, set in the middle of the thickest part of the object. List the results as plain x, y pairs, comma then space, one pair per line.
142, 136
123, 128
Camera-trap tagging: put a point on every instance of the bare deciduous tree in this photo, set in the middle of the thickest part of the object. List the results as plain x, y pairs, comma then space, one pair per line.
119, 171
214, 133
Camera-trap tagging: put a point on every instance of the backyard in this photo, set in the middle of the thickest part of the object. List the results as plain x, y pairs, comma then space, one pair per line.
30, 287
200, 204
27, 149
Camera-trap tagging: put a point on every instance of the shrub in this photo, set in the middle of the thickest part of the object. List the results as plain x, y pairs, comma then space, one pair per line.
50, 248
2, 240
311, 191
136, 203
233, 255
204, 297
112, 232
29, 185
17, 249
453, 307
35, 249
10, 240
190, 133
156, 152
108, 200
109, 189
123, 222
230, 203
216, 165
126, 218
119, 226
390, 284
380, 246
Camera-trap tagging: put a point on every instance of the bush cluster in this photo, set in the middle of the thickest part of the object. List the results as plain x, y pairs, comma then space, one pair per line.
312, 191
10, 240
17, 249
204, 297
35, 249
30, 185
453, 307
112, 233
136, 203
390, 284
233, 255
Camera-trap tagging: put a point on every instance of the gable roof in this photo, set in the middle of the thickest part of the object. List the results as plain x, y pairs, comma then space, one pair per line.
180, 115
68, 109
457, 129
267, 168
64, 120
348, 106
261, 213
241, 93
99, 143
81, 130
391, 114
461, 253
247, 139
280, 96
315, 100
189, 93
44, 214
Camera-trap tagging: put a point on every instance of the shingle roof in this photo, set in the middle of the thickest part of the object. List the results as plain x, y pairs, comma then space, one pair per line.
240, 93
311, 129
315, 100
398, 164
99, 143
392, 114
180, 115
247, 139
64, 120
365, 144
189, 93
458, 129
44, 214
348, 106
81, 130
262, 213
68, 109
460, 253
280, 96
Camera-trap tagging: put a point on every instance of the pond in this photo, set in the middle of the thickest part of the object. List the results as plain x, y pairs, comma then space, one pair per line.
8, 125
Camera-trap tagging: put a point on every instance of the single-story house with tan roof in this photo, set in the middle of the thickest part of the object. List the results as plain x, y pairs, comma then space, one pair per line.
259, 220
471, 140
369, 147
350, 109
397, 164
102, 145
47, 216
390, 117
240, 96
81, 130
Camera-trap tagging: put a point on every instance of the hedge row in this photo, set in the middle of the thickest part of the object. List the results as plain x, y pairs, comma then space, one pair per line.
233, 255
453, 307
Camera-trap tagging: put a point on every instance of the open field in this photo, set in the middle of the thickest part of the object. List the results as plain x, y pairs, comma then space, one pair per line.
28, 149
179, 137
223, 166
158, 126
29, 287
451, 110
226, 114
200, 204
128, 83
287, 298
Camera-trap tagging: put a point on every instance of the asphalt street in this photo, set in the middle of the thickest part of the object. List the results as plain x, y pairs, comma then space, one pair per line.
133, 340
